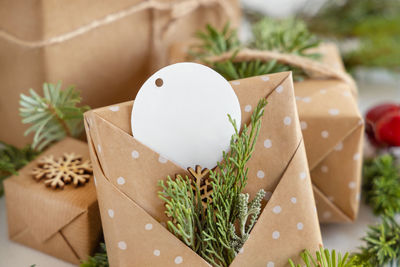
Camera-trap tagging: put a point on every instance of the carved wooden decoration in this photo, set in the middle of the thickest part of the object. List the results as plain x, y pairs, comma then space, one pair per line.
64, 170
201, 179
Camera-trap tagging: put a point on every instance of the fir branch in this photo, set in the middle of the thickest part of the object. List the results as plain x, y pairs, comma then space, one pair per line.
382, 244
325, 258
382, 185
12, 159
53, 116
99, 259
287, 36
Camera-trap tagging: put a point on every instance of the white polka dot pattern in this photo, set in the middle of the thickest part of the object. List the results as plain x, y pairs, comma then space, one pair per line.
120, 180
178, 260
114, 108
122, 245
267, 143
276, 235
111, 213
135, 154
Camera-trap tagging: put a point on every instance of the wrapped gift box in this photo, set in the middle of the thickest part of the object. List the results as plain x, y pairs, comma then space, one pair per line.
95, 45
332, 128
127, 173
62, 223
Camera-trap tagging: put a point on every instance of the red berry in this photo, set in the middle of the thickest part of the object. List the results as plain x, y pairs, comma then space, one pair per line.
375, 113
387, 128
372, 118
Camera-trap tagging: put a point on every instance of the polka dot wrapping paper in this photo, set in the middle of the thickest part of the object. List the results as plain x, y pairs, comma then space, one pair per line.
333, 129
126, 174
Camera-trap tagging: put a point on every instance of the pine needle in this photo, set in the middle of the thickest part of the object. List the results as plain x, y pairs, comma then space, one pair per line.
54, 116
286, 36
382, 185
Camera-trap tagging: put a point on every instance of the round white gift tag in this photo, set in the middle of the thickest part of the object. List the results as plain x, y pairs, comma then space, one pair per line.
181, 112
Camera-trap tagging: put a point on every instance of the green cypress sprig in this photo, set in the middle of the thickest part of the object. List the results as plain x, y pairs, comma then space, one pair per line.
209, 231
184, 208
382, 185
54, 116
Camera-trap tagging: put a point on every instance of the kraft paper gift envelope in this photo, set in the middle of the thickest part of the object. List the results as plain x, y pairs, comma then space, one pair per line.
62, 223
332, 127
126, 174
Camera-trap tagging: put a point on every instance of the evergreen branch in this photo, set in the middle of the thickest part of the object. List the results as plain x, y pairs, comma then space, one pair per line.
325, 258
382, 244
53, 116
382, 185
227, 185
287, 36
208, 231
99, 259
184, 209
12, 159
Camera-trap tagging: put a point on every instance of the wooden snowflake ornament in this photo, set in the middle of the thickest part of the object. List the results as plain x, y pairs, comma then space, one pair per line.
201, 179
64, 170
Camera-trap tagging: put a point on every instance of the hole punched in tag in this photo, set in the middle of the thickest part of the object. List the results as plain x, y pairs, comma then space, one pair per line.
159, 82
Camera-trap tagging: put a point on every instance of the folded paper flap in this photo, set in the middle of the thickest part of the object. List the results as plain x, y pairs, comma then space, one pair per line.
119, 153
327, 210
125, 223
60, 207
288, 218
319, 101
124, 154
340, 186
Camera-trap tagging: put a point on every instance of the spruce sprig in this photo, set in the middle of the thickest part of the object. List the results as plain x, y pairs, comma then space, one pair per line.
12, 159
325, 258
54, 116
286, 36
382, 185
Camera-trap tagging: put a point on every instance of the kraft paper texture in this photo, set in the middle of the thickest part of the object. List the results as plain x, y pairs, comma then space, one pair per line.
333, 135
62, 223
95, 45
126, 174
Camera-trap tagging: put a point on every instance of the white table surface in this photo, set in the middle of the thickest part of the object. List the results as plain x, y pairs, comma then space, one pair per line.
342, 237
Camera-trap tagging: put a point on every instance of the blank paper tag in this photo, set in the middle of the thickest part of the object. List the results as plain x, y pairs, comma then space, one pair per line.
181, 112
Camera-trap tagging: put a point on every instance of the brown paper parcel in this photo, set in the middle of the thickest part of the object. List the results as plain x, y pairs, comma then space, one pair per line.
332, 127
127, 172
95, 45
62, 223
